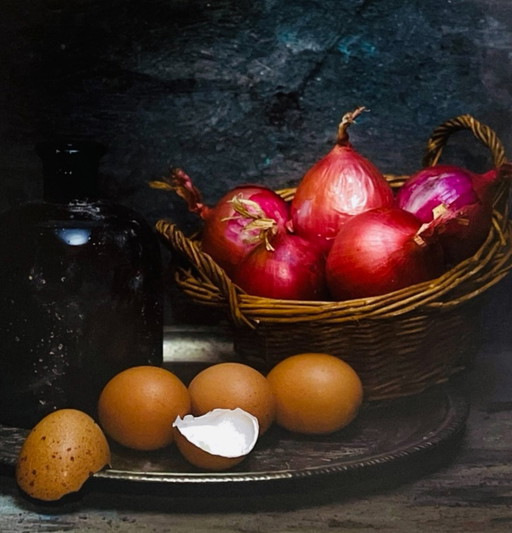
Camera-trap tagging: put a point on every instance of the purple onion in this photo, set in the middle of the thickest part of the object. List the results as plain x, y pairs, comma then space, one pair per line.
446, 185
464, 221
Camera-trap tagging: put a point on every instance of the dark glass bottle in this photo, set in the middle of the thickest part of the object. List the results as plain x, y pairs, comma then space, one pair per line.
81, 291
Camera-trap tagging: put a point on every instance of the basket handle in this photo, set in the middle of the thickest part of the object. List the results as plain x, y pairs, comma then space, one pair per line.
206, 268
481, 131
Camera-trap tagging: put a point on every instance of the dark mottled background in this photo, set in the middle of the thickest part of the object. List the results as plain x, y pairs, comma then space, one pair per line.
243, 90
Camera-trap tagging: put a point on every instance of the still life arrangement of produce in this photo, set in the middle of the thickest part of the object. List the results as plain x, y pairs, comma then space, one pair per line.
214, 422
346, 233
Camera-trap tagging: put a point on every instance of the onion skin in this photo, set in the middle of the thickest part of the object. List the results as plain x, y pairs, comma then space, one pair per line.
294, 269
227, 236
466, 202
340, 185
462, 234
380, 251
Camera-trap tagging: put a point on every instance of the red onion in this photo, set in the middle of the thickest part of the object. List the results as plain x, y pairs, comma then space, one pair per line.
380, 251
338, 186
232, 227
460, 201
285, 267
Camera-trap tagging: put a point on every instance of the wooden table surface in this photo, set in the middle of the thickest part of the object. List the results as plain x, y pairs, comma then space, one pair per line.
471, 493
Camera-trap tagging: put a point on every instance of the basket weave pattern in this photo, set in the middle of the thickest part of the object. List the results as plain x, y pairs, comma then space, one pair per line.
400, 343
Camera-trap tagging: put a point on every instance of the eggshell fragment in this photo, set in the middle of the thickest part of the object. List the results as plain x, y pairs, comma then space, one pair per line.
217, 440
60, 453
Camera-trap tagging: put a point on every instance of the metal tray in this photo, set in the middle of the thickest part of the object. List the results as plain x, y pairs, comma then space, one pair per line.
389, 442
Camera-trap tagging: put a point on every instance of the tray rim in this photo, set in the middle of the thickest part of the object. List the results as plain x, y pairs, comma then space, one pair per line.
450, 430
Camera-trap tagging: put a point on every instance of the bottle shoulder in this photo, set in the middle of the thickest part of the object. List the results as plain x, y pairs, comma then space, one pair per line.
108, 222
95, 211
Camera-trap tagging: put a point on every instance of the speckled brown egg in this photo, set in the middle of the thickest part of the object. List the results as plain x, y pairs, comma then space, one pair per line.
60, 453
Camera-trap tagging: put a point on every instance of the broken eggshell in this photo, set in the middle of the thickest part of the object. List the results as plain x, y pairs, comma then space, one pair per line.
217, 440
60, 454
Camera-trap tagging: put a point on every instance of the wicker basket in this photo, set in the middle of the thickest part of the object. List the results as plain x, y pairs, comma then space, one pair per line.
400, 343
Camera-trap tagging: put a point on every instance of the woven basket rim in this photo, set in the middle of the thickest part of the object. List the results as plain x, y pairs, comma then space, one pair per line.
431, 295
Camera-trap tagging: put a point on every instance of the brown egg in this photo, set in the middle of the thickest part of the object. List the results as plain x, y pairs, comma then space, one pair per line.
315, 393
60, 453
230, 385
138, 406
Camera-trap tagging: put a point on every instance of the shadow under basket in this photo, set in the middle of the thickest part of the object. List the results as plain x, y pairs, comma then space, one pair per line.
400, 343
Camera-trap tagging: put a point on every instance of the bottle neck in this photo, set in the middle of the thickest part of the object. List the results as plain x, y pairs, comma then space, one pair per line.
70, 170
